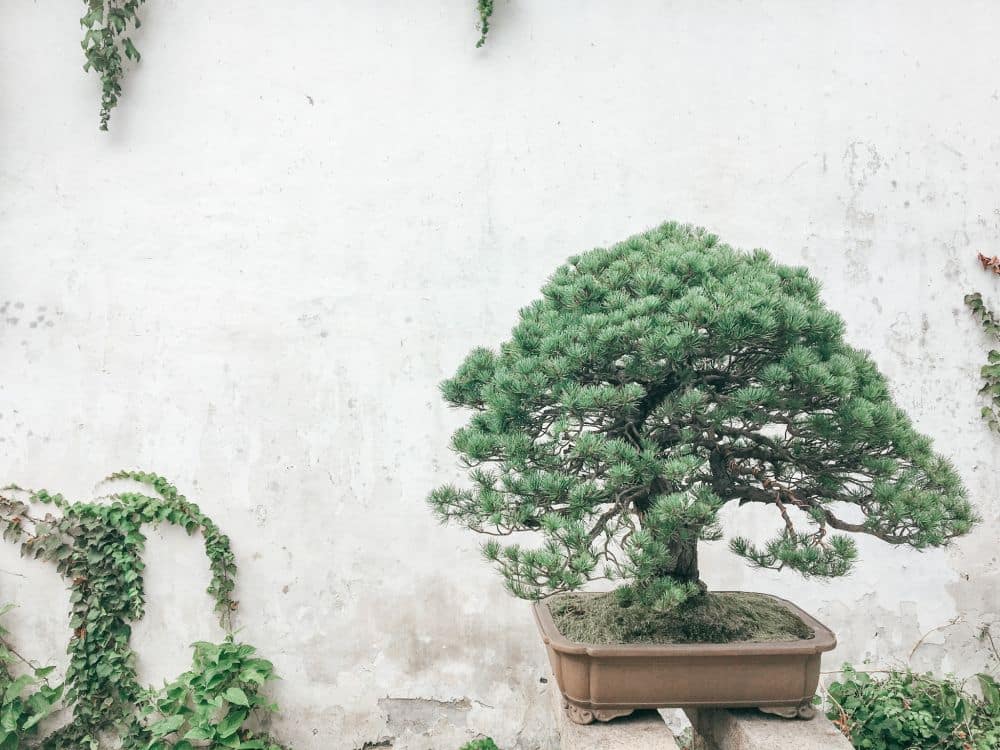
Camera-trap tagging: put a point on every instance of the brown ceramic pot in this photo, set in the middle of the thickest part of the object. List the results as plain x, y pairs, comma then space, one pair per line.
602, 682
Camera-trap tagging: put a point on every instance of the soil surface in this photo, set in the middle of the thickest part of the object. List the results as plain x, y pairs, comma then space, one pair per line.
712, 618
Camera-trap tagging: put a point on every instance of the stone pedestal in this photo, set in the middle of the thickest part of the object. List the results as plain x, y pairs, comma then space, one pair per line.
641, 730
749, 729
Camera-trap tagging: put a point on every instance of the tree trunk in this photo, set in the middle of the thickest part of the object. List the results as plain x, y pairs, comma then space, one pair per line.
685, 568
683, 565
686, 554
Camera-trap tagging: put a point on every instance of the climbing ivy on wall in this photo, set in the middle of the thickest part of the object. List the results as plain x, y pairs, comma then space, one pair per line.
990, 372
97, 546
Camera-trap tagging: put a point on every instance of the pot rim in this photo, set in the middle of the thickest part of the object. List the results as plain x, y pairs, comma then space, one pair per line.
823, 638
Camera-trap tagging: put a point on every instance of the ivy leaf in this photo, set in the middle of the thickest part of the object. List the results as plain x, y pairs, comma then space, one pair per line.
166, 726
131, 52
14, 689
34, 720
233, 721
990, 689
200, 733
237, 696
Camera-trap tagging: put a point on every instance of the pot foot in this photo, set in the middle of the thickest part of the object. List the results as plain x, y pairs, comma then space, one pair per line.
805, 710
585, 716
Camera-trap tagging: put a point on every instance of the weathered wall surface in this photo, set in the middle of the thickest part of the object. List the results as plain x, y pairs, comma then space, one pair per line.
306, 213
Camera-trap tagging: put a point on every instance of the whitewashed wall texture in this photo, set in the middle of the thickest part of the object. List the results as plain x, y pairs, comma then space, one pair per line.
305, 213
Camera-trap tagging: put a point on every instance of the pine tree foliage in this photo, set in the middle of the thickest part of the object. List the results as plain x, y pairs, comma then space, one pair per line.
654, 382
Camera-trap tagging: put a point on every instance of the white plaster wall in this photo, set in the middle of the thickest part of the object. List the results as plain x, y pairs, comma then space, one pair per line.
305, 214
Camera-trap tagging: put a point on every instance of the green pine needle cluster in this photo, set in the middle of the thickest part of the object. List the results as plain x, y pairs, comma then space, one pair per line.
654, 382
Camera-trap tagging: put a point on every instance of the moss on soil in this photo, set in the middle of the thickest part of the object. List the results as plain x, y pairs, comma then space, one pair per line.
712, 618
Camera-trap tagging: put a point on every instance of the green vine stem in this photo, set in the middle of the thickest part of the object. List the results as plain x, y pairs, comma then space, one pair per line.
98, 547
990, 372
105, 42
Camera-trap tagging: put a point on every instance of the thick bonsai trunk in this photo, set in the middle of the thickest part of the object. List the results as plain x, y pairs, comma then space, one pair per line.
685, 567
683, 558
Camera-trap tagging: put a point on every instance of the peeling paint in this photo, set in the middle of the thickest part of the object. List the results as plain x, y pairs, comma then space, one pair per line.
422, 714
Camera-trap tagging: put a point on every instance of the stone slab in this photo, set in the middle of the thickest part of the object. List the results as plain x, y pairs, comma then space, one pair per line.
643, 730
749, 729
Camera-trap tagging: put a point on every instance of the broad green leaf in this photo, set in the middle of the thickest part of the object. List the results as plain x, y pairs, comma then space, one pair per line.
237, 696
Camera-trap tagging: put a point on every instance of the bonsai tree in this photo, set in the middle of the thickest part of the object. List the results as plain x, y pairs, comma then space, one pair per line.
660, 379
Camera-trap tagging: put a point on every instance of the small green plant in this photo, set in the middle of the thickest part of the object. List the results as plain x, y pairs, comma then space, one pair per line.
655, 382
483, 744
106, 44
210, 705
908, 711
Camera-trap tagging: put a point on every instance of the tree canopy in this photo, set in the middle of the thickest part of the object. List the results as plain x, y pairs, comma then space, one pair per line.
654, 382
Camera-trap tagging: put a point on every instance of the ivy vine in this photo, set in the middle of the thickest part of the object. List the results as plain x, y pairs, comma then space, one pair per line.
990, 372
485, 8
98, 546
106, 44
990, 322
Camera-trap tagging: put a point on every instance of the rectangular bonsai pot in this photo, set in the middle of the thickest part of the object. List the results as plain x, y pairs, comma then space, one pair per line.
610, 680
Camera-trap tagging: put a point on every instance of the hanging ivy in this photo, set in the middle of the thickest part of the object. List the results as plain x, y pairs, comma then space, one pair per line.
98, 546
990, 372
485, 8
990, 321
106, 44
